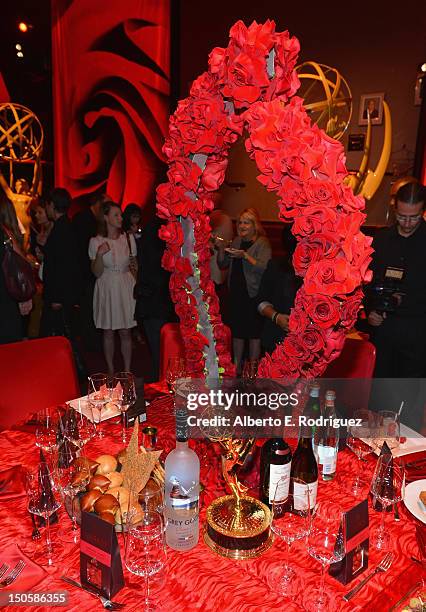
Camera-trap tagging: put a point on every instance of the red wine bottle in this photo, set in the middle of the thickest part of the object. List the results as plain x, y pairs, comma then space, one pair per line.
304, 467
275, 463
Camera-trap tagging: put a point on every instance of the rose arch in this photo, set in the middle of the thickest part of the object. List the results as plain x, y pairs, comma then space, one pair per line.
249, 86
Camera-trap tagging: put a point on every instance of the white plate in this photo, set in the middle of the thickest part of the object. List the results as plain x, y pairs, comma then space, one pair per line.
81, 405
412, 501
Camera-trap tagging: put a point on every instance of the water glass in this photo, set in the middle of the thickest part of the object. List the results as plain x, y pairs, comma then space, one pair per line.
175, 370
125, 396
387, 487
357, 440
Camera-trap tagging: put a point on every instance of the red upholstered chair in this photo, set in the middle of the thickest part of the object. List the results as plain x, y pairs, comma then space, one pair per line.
357, 360
35, 374
171, 345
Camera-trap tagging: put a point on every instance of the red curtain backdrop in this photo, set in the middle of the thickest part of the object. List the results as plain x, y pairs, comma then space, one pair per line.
111, 69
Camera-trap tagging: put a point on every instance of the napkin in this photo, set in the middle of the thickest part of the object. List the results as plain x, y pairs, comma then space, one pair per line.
12, 483
30, 575
415, 467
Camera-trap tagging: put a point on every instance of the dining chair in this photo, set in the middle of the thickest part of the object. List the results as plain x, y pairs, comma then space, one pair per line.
35, 374
171, 345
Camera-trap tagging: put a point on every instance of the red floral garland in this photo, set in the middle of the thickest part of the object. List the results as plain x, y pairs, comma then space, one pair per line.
248, 85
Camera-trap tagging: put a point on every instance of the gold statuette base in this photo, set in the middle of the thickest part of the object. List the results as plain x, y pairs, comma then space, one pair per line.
238, 532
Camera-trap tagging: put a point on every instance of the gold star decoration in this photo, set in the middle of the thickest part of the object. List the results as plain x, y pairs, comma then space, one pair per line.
137, 466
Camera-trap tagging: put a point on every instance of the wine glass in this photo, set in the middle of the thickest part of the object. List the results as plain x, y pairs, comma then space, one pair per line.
125, 396
388, 429
249, 373
73, 475
98, 395
77, 428
387, 487
175, 370
357, 438
290, 522
43, 500
46, 430
145, 550
326, 544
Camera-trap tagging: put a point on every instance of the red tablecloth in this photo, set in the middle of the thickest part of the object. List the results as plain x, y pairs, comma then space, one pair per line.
199, 579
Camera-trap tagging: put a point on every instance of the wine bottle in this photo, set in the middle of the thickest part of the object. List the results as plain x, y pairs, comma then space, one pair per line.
304, 467
275, 463
326, 440
182, 484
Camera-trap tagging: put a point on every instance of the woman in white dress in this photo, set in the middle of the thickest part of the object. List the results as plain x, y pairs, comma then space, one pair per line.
113, 303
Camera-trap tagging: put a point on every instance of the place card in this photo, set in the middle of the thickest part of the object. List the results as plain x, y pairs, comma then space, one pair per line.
138, 410
100, 561
356, 530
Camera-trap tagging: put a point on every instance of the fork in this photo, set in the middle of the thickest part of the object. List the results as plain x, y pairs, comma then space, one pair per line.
13, 574
3, 569
383, 566
107, 603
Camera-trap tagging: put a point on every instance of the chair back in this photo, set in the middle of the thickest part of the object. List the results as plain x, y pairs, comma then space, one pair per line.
35, 374
171, 345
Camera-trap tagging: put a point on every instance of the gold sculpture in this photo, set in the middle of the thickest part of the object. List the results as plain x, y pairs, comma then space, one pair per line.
21, 141
237, 525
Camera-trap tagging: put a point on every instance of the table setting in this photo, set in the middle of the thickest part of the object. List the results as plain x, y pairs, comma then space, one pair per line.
198, 578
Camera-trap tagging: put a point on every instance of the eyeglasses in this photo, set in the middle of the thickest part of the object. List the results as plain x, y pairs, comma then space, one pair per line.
408, 219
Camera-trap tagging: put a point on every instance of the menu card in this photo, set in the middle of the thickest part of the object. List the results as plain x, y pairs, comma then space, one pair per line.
356, 533
138, 409
100, 561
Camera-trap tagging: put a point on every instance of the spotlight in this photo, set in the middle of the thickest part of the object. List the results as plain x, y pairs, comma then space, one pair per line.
23, 27
423, 67
20, 54
18, 47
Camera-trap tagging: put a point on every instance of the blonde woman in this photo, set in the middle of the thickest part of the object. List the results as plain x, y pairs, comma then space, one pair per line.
113, 302
246, 258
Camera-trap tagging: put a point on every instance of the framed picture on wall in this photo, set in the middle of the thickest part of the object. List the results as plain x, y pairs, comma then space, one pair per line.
373, 104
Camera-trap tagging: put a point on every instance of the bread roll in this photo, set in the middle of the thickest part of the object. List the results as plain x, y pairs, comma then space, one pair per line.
106, 503
88, 499
422, 497
108, 517
119, 491
83, 461
115, 478
99, 482
107, 463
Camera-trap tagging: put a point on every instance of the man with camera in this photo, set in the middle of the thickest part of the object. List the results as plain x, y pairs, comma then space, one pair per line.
396, 299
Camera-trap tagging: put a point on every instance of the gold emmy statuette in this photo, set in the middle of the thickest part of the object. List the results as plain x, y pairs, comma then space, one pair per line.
237, 526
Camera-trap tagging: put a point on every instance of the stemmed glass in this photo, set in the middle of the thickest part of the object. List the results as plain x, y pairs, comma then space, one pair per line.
387, 486
73, 475
326, 544
388, 429
98, 395
43, 499
357, 438
77, 428
46, 431
145, 550
290, 522
175, 370
125, 396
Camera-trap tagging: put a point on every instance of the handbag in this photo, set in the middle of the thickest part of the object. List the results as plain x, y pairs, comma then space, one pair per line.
18, 273
133, 262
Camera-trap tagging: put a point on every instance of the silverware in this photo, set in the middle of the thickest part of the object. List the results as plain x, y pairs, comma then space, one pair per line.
419, 561
3, 569
13, 574
107, 603
383, 566
36, 535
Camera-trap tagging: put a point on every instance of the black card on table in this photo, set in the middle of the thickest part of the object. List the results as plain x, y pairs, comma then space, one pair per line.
356, 532
100, 561
138, 409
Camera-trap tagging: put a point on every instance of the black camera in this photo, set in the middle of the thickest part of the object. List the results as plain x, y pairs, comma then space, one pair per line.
382, 296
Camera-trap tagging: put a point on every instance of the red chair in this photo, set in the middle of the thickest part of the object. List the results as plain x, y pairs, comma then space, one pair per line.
171, 345
35, 374
357, 360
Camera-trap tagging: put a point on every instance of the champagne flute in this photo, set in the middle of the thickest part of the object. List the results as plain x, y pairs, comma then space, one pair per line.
73, 475
175, 370
388, 487
145, 549
357, 438
125, 393
326, 544
98, 395
43, 499
290, 522
46, 431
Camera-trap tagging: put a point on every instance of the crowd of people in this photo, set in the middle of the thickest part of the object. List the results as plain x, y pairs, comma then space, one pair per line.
100, 273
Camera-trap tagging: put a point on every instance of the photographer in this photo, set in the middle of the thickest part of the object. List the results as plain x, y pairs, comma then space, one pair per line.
396, 299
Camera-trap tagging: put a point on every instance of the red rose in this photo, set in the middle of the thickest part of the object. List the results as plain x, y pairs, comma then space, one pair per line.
350, 309
332, 278
298, 320
312, 249
312, 220
323, 310
312, 340
171, 233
